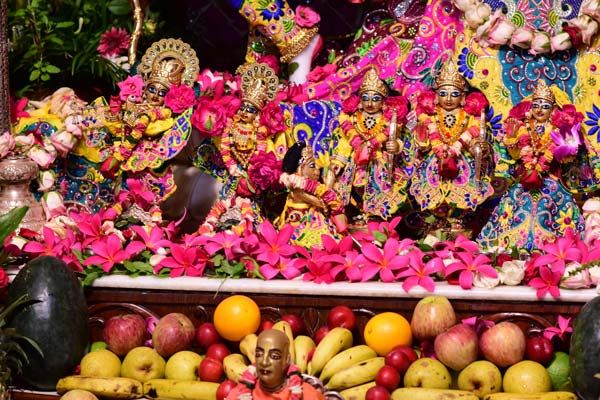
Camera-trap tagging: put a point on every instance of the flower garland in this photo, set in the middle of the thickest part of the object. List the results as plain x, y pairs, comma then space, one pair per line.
499, 29
249, 380
537, 149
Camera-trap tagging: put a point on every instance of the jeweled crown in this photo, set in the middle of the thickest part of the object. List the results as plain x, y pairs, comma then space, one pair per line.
371, 82
169, 61
259, 84
450, 76
168, 72
543, 91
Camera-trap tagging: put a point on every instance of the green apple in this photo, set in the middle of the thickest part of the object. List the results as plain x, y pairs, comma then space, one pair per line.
527, 377
481, 378
102, 363
183, 366
78, 394
427, 373
143, 363
97, 346
560, 372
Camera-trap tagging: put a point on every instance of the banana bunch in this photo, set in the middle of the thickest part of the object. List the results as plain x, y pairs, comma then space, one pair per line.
336, 340
285, 327
303, 345
234, 365
357, 392
431, 394
356, 374
174, 389
248, 346
532, 396
116, 388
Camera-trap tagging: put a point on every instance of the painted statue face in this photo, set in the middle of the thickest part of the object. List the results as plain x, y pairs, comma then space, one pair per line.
541, 110
247, 112
449, 97
272, 359
309, 169
155, 93
371, 102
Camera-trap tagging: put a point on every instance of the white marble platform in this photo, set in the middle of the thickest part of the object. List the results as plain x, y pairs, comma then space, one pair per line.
367, 289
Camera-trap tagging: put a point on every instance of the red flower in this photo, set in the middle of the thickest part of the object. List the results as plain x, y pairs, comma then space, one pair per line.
319, 73
271, 116
566, 117
350, 105
574, 34
179, 98
426, 103
209, 117
264, 170
397, 103
475, 103
3, 279
295, 93
17, 109
114, 42
306, 17
520, 111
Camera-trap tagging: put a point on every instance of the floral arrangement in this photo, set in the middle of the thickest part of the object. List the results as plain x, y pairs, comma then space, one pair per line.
499, 29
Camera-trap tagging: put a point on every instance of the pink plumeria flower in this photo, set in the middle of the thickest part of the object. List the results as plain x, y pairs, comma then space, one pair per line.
419, 274
383, 261
547, 282
274, 246
562, 327
189, 261
227, 242
50, 245
468, 266
350, 264
107, 252
289, 268
559, 253
152, 238
478, 324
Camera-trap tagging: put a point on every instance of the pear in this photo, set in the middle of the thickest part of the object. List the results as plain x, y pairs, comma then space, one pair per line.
143, 364
527, 377
78, 394
481, 378
427, 373
101, 363
183, 366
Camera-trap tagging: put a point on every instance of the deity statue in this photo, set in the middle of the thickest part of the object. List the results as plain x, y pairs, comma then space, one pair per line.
273, 376
311, 208
365, 169
453, 156
245, 144
541, 137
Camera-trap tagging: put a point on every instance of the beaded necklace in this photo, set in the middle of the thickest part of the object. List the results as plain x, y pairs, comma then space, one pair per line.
450, 134
363, 130
539, 140
243, 140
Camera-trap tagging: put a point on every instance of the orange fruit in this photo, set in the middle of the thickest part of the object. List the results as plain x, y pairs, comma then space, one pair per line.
236, 317
387, 330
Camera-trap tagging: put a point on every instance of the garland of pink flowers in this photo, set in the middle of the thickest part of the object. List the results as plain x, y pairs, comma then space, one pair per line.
498, 29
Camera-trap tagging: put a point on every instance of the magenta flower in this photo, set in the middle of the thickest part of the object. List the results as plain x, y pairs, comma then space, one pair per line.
478, 324
468, 266
131, 88
274, 246
562, 327
151, 238
114, 42
559, 253
418, 273
17, 109
91, 228
319, 268
179, 98
227, 242
567, 142
107, 252
306, 17
547, 282
189, 261
383, 261
289, 268
51, 245
350, 264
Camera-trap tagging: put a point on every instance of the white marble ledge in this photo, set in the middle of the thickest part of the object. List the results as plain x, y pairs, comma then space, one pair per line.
366, 289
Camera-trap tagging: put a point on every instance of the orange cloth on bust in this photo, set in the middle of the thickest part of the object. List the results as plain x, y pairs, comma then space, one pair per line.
308, 393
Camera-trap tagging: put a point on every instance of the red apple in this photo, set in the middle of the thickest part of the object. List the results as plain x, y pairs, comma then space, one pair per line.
174, 332
539, 349
224, 388
388, 377
320, 333
210, 370
432, 316
265, 325
206, 334
341, 316
400, 359
296, 323
218, 351
124, 332
503, 344
377, 393
457, 347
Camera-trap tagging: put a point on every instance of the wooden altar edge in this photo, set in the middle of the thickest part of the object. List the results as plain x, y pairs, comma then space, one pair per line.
337, 289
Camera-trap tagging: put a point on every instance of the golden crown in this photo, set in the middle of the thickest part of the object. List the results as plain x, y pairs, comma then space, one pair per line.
449, 76
372, 83
259, 84
170, 62
543, 91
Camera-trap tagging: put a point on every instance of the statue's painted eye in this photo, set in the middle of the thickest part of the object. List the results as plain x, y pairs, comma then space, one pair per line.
442, 93
365, 97
455, 94
376, 98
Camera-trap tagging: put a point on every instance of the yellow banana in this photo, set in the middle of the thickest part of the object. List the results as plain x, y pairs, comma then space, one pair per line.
285, 327
117, 388
336, 340
531, 396
248, 346
345, 359
357, 392
432, 394
302, 346
175, 389
234, 366
357, 374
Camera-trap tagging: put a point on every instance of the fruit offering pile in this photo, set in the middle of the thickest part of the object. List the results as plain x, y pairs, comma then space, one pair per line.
432, 357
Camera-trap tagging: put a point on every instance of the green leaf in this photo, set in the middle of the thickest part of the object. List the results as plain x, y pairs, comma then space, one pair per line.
14, 305
35, 74
45, 77
65, 24
129, 266
56, 40
52, 69
292, 67
10, 222
379, 236
91, 277
119, 7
